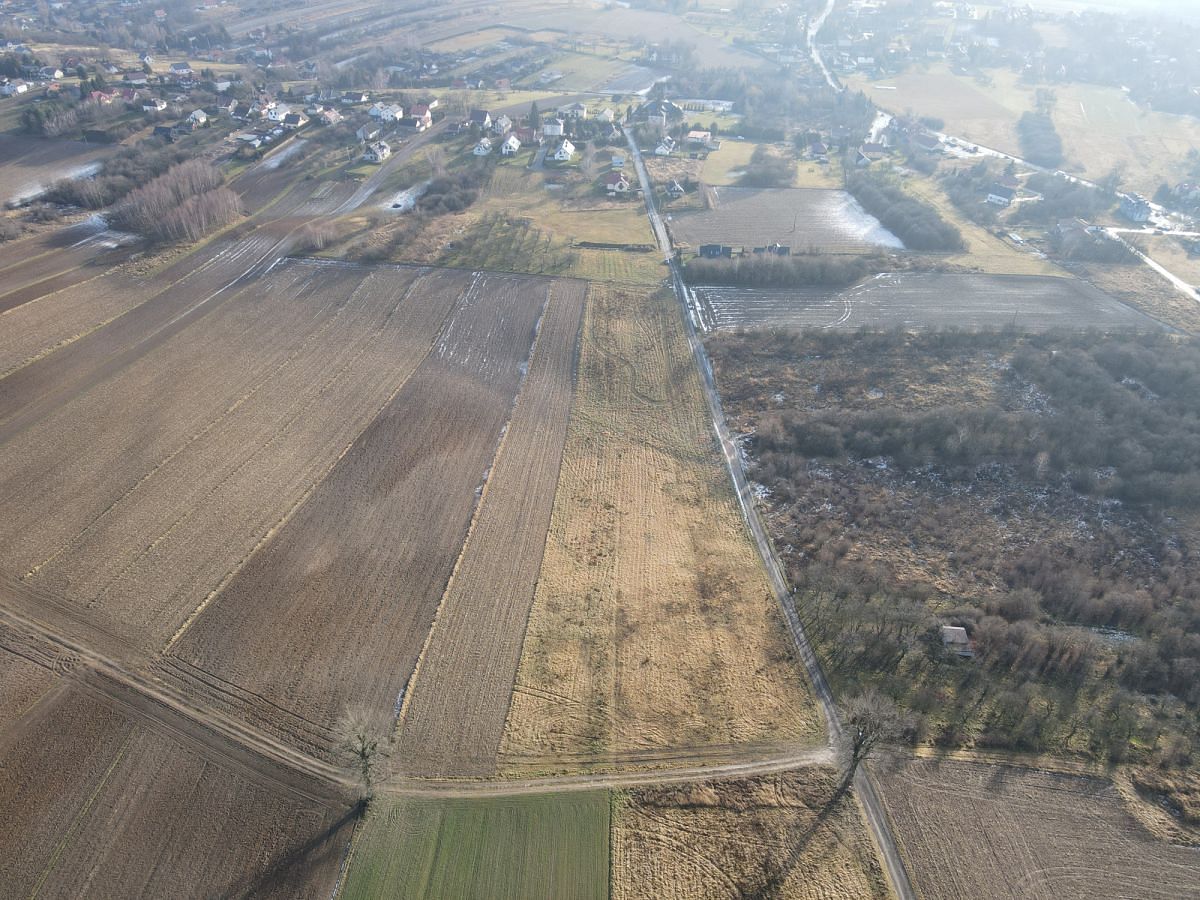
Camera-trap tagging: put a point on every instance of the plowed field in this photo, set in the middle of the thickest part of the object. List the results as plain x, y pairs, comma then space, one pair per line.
333, 611
975, 830
455, 717
95, 803
652, 628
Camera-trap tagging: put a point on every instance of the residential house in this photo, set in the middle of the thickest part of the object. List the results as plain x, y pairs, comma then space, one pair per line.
352, 98
510, 146
483, 148
166, 132
999, 195
528, 135
367, 133
501, 125
13, 88
424, 112
129, 95
699, 138
665, 147
225, 106
930, 143
553, 128
386, 112
277, 112
377, 152
574, 111
565, 151
198, 117
411, 124
181, 70
481, 118
818, 149
49, 73
663, 110
675, 189
607, 116
295, 120
616, 183
103, 98
328, 115
870, 152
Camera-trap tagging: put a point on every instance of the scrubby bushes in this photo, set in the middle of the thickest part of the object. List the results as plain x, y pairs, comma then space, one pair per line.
455, 191
769, 168
126, 170
183, 204
804, 270
917, 224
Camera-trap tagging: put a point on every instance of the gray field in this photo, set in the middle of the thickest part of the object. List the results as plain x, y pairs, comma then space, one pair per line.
30, 165
801, 218
924, 301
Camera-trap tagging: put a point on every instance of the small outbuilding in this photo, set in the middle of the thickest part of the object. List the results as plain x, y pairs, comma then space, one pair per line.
957, 641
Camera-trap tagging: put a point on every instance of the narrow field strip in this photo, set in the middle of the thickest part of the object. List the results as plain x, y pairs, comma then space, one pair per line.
457, 705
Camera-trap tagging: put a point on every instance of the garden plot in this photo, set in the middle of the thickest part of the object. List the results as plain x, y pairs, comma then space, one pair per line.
921, 301
801, 218
334, 607
974, 830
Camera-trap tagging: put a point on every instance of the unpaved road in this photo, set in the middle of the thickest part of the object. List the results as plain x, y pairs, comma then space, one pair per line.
880, 830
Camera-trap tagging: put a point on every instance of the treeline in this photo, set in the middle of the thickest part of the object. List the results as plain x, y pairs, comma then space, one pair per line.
183, 204
122, 172
769, 271
769, 168
1061, 199
1039, 139
917, 224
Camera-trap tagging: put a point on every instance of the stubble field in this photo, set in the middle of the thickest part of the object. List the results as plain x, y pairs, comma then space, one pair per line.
1048, 835
653, 632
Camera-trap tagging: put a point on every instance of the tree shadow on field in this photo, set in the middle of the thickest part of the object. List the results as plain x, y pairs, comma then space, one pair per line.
286, 875
774, 880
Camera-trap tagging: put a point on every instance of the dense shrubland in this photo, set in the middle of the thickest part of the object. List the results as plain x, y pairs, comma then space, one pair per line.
1041, 492
183, 204
129, 168
917, 224
800, 270
1039, 139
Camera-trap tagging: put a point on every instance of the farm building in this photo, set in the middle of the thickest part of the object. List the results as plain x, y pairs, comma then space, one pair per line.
956, 640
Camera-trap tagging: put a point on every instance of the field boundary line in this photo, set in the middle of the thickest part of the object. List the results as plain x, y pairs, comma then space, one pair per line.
295, 507
475, 514
77, 820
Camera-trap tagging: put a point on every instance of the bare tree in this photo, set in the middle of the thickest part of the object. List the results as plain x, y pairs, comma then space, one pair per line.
870, 720
364, 741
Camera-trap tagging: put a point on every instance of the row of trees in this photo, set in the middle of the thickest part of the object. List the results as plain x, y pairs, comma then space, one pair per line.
183, 204
917, 224
1040, 142
122, 172
769, 271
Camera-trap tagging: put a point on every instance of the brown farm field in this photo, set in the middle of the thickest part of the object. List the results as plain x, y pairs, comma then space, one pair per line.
653, 631
780, 836
992, 831
29, 165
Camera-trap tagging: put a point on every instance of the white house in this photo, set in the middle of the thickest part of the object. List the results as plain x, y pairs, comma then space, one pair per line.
565, 151
483, 148
553, 128
665, 147
502, 124
386, 112
295, 120
367, 133
510, 146
377, 152
13, 88
574, 111
277, 112
618, 161
198, 117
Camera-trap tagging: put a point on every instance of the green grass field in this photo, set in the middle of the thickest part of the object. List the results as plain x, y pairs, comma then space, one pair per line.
521, 848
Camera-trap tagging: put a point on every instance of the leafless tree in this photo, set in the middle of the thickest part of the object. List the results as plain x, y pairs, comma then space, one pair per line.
870, 720
364, 739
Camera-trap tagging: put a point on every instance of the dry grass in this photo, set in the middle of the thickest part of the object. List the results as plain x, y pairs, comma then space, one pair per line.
1143, 288
984, 251
725, 166
975, 830
776, 836
653, 628
470, 40
1169, 253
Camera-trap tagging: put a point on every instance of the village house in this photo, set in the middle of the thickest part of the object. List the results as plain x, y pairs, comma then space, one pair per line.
1136, 208
501, 125
386, 112
328, 115
665, 147
957, 641
295, 120
352, 98
553, 128
181, 70
424, 112
198, 117
606, 115
618, 161
13, 88
870, 152
999, 195
565, 151
377, 152
616, 183
699, 138
483, 148
510, 146
481, 118
527, 135
574, 111
367, 133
